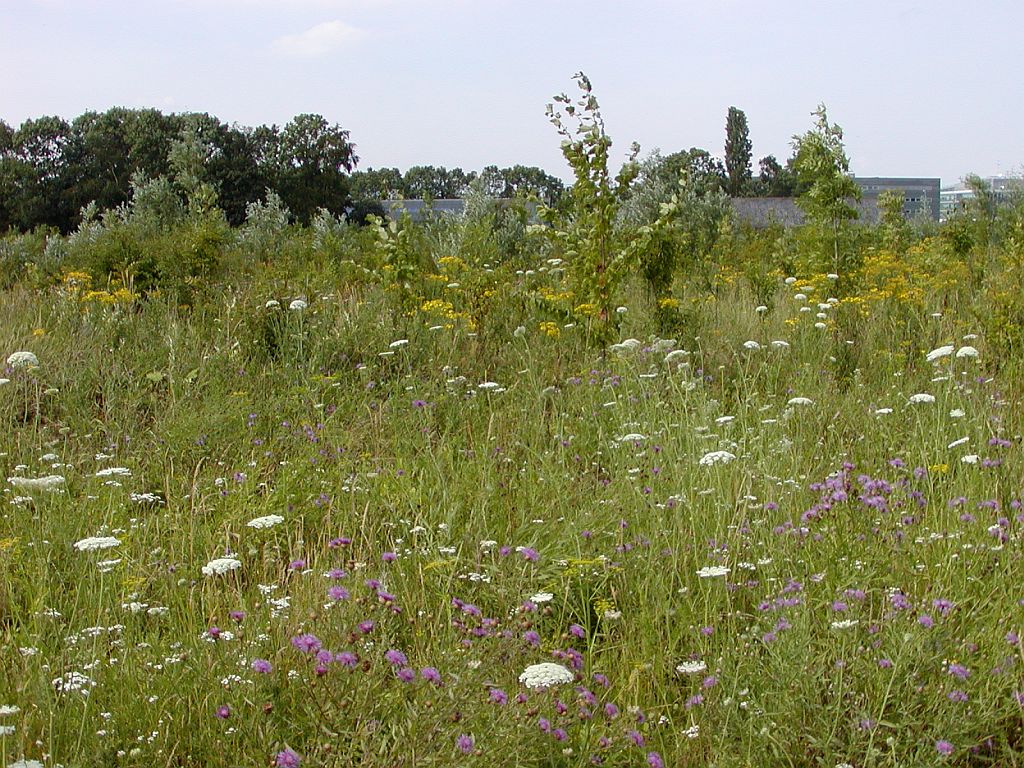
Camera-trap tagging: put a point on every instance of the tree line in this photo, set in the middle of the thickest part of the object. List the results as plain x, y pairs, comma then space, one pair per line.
51, 169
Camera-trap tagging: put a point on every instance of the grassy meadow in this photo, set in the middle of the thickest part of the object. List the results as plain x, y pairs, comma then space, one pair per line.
320, 497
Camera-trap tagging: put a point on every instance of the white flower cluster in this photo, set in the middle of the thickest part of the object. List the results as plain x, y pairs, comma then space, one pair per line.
691, 667
94, 543
267, 521
716, 457
22, 360
712, 571
545, 675
221, 565
48, 483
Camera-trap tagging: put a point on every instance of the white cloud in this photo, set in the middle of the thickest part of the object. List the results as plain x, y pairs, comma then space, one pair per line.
316, 41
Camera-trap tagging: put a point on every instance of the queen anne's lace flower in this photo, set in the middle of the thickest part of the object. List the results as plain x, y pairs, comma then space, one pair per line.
93, 543
716, 457
922, 397
545, 675
267, 521
221, 565
48, 483
22, 360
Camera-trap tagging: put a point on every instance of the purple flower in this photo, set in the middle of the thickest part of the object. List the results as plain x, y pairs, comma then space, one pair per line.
925, 621
577, 631
611, 711
223, 712
559, 734
958, 696
531, 638
287, 758
654, 760
498, 696
338, 593
389, 557
237, 615
943, 747
365, 627
694, 701
406, 674
347, 659
306, 643
530, 554
636, 737
464, 743
430, 674
396, 658
958, 671
341, 541
261, 666
296, 565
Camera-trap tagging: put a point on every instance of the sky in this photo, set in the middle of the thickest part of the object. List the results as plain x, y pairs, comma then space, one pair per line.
920, 87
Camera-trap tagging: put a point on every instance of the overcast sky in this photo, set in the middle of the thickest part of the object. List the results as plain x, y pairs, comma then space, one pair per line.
920, 87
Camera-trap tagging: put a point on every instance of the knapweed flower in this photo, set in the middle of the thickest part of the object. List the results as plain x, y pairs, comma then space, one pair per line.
261, 666
306, 643
221, 565
22, 360
94, 543
430, 674
396, 658
267, 521
944, 747
287, 758
464, 743
545, 675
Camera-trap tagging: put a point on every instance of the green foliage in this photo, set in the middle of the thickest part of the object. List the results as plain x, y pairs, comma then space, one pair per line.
821, 164
599, 258
892, 224
737, 153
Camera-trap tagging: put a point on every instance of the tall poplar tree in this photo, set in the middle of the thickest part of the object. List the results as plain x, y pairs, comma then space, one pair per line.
737, 153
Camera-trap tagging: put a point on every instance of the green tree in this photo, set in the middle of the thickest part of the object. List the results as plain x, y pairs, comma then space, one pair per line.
313, 160
820, 162
737, 153
600, 256
892, 224
377, 184
775, 180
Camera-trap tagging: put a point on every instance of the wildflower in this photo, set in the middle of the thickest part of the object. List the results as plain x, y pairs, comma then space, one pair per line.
9, 709
223, 712
944, 747
306, 643
22, 360
48, 483
545, 675
221, 565
297, 305
406, 674
967, 351
338, 593
542, 597
347, 659
691, 667
654, 760
267, 521
287, 758
261, 666
577, 631
430, 674
94, 543
751, 344
464, 743
389, 557
529, 553
712, 571
396, 658
921, 397
716, 457
800, 401
958, 671
498, 696
939, 353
